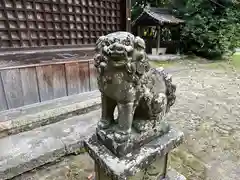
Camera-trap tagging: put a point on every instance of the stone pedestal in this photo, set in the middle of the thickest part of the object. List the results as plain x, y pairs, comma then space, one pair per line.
135, 141
147, 162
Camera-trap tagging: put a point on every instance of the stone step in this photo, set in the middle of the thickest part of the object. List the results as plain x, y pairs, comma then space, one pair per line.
73, 167
166, 57
40, 114
28, 150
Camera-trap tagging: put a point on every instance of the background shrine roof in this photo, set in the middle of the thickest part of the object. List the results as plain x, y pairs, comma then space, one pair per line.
154, 16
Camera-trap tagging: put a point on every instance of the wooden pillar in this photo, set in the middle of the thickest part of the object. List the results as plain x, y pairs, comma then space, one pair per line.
158, 39
128, 15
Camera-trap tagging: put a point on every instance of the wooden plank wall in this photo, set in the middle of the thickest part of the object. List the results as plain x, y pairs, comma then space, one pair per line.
23, 85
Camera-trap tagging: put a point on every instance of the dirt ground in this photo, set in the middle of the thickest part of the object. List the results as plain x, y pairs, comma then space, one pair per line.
207, 111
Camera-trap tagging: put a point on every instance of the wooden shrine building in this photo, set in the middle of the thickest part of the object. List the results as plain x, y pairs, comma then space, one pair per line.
47, 46
159, 28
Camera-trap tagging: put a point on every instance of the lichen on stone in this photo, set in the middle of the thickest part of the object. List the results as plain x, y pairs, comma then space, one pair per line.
143, 95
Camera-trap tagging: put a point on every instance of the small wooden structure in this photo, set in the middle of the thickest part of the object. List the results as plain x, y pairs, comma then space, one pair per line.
158, 18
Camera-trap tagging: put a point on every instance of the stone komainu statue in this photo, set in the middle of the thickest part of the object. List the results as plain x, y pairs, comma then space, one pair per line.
143, 95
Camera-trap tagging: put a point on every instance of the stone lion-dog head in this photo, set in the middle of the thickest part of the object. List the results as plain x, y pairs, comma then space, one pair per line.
121, 49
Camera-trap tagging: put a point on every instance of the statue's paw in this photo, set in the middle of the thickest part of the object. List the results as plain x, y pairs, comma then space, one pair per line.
104, 124
142, 125
121, 136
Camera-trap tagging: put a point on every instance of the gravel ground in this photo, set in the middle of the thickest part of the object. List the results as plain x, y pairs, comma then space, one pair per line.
208, 111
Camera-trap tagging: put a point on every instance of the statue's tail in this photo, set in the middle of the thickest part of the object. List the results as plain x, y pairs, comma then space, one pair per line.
170, 89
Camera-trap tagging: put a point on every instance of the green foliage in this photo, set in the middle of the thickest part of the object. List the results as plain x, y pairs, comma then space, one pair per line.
212, 30
212, 27
236, 60
137, 8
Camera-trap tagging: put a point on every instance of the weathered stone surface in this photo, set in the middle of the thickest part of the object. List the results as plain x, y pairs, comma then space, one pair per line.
156, 171
76, 130
33, 116
136, 140
51, 104
139, 136
26, 151
142, 95
129, 165
78, 167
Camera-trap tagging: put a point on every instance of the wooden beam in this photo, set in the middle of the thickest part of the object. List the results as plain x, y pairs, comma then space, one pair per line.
158, 39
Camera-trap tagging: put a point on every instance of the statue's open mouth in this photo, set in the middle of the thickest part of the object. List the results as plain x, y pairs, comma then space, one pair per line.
118, 55
118, 58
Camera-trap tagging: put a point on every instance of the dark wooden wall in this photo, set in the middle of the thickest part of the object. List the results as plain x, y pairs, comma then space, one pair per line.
40, 23
28, 84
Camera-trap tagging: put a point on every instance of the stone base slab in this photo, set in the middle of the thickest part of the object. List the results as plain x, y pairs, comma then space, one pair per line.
136, 139
134, 163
